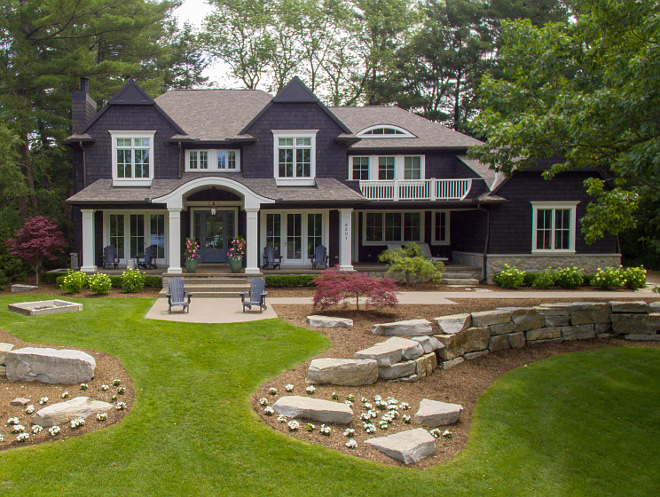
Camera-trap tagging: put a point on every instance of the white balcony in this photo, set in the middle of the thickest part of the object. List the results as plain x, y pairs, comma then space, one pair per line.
419, 189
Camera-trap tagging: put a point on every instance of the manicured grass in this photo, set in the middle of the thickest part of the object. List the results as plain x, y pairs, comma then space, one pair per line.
580, 424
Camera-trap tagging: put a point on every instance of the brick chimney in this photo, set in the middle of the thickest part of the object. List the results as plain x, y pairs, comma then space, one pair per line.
83, 107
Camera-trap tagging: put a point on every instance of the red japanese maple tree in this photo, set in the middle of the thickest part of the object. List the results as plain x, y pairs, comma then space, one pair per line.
334, 287
38, 240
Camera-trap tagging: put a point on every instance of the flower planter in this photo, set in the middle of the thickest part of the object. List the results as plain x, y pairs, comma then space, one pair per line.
236, 265
191, 265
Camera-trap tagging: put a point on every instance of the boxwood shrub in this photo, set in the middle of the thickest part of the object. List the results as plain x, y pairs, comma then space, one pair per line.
289, 280
510, 277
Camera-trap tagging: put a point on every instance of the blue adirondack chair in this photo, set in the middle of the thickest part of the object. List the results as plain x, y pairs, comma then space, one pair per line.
177, 295
109, 257
150, 255
271, 261
320, 257
256, 295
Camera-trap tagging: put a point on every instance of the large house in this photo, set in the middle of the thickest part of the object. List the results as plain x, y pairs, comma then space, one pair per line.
289, 172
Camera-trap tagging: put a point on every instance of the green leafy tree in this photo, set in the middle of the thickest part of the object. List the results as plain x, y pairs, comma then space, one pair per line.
410, 261
585, 91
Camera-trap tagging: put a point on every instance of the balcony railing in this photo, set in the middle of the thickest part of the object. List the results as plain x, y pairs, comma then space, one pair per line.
420, 189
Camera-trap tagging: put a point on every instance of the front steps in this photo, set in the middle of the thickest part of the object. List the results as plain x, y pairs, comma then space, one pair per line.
211, 285
461, 276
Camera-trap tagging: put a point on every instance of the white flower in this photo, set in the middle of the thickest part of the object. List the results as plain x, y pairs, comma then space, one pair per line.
369, 428
368, 406
29, 409
364, 400
349, 432
386, 418
121, 390
36, 429
120, 406
391, 400
53, 430
13, 421
281, 419
263, 401
372, 413
377, 398
365, 416
22, 437
404, 406
105, 388
447, 434
84, 386
17, 429
351, 444
348, 403
380, 404
382, 425
289, 388
334, 396
394, 414
325, 430
310, 389
65, 395
273, 391
116, 382
310, 427
407, 419
350, 397
269, 411
436, 432
75, 423
293, 425
43, 400
102, 416
2, 439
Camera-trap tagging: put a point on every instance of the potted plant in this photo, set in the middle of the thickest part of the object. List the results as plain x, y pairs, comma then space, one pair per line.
192, 255
236, 252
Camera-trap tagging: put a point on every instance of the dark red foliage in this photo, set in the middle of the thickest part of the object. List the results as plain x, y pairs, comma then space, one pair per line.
38, 240
334, 287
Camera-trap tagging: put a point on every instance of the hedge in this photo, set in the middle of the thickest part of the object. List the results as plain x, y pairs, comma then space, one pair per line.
150, 281
289, 280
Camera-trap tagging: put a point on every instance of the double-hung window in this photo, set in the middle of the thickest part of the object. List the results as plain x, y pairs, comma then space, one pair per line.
132, 157
553, 226
213, 160
199, 159
360, 168
294, 157
392, 227
412, 167
386, 168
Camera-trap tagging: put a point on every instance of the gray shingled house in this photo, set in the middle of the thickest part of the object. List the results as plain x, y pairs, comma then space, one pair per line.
289, 172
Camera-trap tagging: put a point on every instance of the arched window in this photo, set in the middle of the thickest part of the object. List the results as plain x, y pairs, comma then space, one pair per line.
385, 131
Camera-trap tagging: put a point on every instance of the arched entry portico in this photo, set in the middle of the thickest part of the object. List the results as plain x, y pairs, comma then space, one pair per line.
251, 203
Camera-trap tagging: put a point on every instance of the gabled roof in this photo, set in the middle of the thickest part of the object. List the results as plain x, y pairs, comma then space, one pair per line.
428, 133
213, 115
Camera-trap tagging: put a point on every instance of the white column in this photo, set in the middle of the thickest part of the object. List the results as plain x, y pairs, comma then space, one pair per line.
174, 242
88, 236
252, 262
345, 240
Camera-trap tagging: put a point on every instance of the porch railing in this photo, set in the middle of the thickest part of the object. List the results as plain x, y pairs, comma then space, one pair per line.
424, 189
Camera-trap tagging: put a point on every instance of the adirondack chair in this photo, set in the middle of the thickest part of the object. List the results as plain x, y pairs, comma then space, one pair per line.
270, 260
177, 295
319, 257
150, 254
426, 252
109, 257
256, 295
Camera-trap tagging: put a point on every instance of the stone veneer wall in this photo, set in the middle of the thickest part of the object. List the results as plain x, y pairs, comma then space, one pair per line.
537, 263
488, 331
467, 258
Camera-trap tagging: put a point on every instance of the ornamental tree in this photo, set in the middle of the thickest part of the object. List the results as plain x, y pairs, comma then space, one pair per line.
38, 240
410, 261
334, 287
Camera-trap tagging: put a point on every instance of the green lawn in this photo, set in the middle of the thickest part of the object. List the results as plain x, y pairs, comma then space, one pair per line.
583, 424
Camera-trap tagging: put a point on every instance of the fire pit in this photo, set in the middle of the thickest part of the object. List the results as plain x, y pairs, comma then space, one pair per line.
44, 307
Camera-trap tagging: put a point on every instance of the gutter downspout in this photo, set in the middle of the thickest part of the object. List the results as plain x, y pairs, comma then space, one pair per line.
484, 260
84, 164
180, 161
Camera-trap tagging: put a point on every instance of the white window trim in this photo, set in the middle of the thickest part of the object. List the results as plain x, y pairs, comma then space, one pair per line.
127, 229
399, 166
116, 181
572, 206
383, 242
447, 239
406, 133
213, 160
305, 260
294, 133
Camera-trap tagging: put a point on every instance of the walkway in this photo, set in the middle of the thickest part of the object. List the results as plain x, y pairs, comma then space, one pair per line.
225, 310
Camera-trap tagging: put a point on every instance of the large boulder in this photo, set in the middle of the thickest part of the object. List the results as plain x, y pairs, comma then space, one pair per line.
434, 413
450, 325
5, 348
488, 318
542, 334
323, 411
498, 342
398, 370
526, 319
63, 412
429, 344
329, 322
639, 307
426, 365
343, 371
555, 315
579, 332
590, 312
408, 446
409, 328
517, 340
392, 351
635, 324
49, 365
470, 340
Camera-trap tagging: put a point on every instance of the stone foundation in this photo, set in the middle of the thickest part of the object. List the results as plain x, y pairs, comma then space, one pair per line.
533, 263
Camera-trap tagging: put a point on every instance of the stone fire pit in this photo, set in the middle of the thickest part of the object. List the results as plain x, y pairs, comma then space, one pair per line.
44, 307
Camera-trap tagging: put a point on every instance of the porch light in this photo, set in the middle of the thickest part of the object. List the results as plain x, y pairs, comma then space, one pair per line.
213, 209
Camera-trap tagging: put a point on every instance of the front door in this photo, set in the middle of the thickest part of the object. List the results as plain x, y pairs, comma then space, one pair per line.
213, 233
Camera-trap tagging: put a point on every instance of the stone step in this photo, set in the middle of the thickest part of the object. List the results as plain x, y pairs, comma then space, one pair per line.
460, 281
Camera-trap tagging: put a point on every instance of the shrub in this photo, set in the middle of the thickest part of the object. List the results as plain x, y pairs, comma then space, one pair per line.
569, 277
334, 287
116, 281
132, 281
607, 278
529, 278
509, 277
587, 279
410, 261
49, 277
59, 281
74, 281
289, 280
153, 281
633, 277
99, 283
656, 289
544, 279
